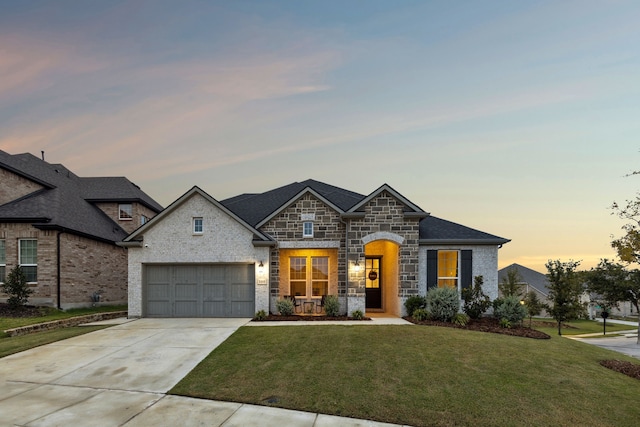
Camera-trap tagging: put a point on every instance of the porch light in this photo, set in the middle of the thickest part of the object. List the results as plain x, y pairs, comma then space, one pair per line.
261, 268
356, 267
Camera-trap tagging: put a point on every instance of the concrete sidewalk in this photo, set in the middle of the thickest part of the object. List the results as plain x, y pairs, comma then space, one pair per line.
119, 376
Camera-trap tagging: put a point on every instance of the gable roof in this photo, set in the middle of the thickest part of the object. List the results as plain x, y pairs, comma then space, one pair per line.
531, 277
435, 230
255, 208
134, 238
65, 201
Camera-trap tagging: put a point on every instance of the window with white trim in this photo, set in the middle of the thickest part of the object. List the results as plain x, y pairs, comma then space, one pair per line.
3, 261
125, 211
28, 261
307, 229
448, 269
197, 225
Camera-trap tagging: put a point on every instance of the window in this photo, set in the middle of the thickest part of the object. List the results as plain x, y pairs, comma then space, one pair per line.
143, 220
3, 261
307, 229
319, 276
126, 211
448, 269
309, 276
197, 225
29, 259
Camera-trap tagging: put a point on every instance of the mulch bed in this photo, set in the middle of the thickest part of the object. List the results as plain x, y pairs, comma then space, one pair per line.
277, 317
628, 368
26, 311
486, 324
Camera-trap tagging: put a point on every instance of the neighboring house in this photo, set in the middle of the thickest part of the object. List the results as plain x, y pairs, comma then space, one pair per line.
531, 281
62, 230
202, 257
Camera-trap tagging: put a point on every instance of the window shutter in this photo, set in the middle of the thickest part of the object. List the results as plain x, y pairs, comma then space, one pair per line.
432, 269
466, 269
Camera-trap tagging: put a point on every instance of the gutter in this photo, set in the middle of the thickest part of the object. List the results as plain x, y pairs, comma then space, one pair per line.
485, 242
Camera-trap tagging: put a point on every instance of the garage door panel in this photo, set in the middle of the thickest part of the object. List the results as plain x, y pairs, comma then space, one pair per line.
220, 290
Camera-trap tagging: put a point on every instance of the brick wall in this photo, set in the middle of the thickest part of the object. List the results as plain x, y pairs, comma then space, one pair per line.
87, 266
14, 186
129, 225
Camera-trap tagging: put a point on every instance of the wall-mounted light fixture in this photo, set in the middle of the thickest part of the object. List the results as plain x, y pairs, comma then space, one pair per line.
356, 267
261, 265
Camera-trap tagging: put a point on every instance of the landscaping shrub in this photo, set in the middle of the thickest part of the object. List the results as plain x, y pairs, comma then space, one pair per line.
420, 314
357, 315
475, 301
332, 305
285, 307
16, 287
415, 302
260, 315
460, 319
504, 323
509, 308
443, 303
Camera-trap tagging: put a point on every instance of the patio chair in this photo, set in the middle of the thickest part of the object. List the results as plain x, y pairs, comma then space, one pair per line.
320, 304
296, 303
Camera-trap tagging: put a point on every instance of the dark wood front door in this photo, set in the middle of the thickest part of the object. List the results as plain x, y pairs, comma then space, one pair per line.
373, 278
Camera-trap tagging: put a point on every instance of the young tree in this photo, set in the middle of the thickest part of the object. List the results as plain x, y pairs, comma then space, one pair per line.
628, 246
17, 289
511, 284
476, 302
565, 289
533, 304
614, 284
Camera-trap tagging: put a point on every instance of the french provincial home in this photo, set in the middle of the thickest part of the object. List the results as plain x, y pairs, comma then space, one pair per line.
201, 257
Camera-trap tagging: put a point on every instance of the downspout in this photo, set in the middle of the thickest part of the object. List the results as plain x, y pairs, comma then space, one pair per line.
58, 269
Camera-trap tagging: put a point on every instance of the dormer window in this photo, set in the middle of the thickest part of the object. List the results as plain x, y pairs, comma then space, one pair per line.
126, 211
197, 225
307, 229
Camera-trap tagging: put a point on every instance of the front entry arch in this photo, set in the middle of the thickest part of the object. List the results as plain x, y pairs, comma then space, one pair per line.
382, 265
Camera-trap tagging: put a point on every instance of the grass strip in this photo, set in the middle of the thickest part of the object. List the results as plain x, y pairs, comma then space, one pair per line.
25, 342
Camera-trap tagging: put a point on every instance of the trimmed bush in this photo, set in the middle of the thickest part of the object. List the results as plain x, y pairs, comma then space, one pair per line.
285, 307
420, 314
509, 308
260, 315
504, 323
357, 315
415, 302
460, 319
475, 301
332, 305
443, 303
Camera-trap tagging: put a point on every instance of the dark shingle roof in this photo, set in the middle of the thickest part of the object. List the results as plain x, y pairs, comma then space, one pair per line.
253, 208
533, 278
434, 230
63, 203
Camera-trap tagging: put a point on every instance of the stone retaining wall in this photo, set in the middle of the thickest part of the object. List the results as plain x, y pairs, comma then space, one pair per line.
64, 323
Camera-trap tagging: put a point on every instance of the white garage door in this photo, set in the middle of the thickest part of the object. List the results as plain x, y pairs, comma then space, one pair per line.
198, 290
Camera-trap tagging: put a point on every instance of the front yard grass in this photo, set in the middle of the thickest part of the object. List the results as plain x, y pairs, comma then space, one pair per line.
11, 345
581, 326
418, 375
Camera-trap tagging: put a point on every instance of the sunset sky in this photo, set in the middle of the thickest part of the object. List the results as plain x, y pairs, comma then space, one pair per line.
518, 118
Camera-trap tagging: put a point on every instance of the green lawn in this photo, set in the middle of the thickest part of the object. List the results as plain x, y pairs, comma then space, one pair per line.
25, 342
10, 345
579, 327
418, 375
49, 314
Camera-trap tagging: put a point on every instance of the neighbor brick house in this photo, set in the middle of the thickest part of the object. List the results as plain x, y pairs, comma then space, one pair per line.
62, 230
202, 257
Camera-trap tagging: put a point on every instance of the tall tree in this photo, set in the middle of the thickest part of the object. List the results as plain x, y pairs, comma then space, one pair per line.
565, 289
628, 246
614, 284
511, 284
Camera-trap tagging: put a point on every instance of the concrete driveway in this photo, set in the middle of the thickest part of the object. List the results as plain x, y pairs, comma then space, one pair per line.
107, 377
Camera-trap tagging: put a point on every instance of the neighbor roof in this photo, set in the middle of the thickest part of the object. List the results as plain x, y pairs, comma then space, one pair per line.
65, 202
531, 277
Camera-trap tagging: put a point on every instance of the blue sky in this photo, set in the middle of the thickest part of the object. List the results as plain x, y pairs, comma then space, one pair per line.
517, 118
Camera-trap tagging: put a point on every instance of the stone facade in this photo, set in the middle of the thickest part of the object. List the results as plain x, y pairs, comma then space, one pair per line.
87, 266
172, 241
